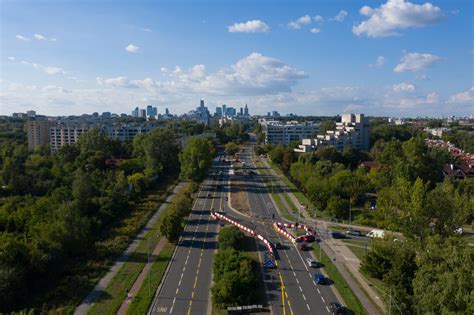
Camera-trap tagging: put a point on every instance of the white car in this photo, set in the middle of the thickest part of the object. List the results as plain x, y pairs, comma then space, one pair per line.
312, 263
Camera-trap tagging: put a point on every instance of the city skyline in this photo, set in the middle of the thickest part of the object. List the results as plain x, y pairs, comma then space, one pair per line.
396, 58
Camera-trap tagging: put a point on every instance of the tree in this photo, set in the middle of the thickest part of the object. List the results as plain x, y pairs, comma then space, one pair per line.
276, 154
161, 152
196, 158
326, 125
338, 207
407, 206
139, 182
444, 283
231, 237
231, 148
171, 226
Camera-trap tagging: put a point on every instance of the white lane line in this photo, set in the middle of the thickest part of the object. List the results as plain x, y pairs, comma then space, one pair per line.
300, 289
323, 299
294, 274
309, 308
319, 292
179, 283
304, 297
328, 309
297, 281
172, 305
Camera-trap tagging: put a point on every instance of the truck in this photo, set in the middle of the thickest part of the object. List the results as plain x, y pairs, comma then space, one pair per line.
376, 233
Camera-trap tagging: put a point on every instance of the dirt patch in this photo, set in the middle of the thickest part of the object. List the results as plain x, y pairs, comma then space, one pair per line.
238, 195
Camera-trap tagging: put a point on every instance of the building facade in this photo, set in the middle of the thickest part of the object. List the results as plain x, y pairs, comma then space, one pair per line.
277, 132
38, 133
62, 134
352, 131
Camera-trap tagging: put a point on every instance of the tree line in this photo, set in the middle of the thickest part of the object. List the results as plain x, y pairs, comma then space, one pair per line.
59, 209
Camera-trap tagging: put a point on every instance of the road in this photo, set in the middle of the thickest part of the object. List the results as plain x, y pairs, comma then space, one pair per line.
187, 283
291, 288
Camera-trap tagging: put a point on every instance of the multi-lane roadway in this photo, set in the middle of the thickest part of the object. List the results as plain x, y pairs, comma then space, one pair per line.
186, 286
185, 289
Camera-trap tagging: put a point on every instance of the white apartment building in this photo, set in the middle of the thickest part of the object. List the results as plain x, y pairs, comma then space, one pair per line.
277, 132
63, 134
352, 131
127, 132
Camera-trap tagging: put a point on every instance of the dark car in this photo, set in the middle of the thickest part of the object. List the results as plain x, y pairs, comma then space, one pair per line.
278, 245
338, 235
319, 278
336, 308
305, 247
354, 232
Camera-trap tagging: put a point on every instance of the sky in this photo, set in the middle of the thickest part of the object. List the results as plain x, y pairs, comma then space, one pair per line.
386, 58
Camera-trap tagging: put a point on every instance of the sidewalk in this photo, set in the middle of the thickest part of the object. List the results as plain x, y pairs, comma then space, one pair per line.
141, 278
87, 303
345, 261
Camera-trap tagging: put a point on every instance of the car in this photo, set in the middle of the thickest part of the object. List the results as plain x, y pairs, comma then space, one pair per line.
305, 246
336, 308
312, 263
278, 245
354, 232
319, 278
338, 235
307, 238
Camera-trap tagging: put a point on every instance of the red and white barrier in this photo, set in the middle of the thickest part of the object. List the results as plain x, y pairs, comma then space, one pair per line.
217, 215
281, 228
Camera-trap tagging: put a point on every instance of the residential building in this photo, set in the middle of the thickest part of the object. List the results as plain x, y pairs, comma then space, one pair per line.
62, 134
38, 133
125, 132
352, 131
31, 114
277, 132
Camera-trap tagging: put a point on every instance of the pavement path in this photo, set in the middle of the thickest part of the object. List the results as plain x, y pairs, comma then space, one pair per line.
87, 303
142, 277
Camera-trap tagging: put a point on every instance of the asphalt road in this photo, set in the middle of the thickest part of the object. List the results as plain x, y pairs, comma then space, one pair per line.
290, 288
187, 283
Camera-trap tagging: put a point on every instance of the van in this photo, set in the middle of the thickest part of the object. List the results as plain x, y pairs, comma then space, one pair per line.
376, 233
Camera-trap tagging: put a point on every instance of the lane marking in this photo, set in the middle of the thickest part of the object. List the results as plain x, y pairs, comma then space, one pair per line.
304, 297
309, 308
328, 309
323, 299
300, 289
172, 305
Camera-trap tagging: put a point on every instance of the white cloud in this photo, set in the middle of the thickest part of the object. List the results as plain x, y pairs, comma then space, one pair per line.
318, 18
396, 15
416, 62
315, 30
252, 26
403, 87
11, 58
340, 16
133, 49
40, 37
23, 38
50, 70
466, 97
303, 20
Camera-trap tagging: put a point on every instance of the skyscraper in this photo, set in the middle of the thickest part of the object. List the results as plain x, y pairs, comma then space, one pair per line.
246, 110
219, 111
202, 103
224, 110
149, 110
241, 112
135, 112
167, 112
142, 113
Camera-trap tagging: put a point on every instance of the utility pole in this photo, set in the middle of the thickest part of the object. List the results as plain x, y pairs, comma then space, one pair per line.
149, 271
390, 302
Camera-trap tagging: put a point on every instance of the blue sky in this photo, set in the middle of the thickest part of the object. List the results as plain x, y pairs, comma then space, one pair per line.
397, 58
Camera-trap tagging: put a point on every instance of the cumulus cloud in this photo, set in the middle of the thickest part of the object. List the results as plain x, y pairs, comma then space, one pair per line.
23, 38
40, 37
303, 20
403, 87
416, 62
252, 26
340, 16
11, 58
133, 49
466, 97
396, 15
315, 30
50, 70
318, 18
379, 62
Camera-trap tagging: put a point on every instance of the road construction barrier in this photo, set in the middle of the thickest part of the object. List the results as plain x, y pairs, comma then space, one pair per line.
281, 228
218, 215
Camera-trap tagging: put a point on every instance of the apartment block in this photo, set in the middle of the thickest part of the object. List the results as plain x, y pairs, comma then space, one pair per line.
277, 132
38, 133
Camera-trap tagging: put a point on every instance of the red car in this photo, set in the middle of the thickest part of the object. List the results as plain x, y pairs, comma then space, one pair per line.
307, 238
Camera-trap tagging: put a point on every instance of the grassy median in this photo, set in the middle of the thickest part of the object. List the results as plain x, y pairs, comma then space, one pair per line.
351, 300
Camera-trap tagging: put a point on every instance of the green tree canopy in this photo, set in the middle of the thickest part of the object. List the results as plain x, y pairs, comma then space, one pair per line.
196, 158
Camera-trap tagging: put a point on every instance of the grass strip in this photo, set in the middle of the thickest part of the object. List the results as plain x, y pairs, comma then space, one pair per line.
115, 293
141, 302
351, 300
